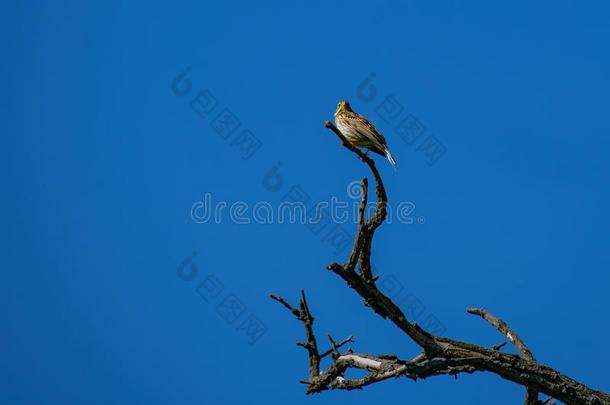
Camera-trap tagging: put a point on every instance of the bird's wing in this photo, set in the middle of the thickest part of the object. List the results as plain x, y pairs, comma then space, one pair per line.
368, 129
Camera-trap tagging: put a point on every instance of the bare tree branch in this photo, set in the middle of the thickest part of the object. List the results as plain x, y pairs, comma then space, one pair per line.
335, 346
311, 345
531, 395
505, 330
439, 355
366, 230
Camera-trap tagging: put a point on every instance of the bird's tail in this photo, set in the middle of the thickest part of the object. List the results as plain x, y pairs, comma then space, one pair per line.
390, 158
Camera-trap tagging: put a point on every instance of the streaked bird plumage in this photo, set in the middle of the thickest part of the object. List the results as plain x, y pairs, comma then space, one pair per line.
360, 132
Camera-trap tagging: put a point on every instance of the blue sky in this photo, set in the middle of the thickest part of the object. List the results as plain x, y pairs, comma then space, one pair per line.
104, 157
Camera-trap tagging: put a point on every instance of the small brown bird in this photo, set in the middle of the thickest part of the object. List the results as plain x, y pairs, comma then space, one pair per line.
360, 132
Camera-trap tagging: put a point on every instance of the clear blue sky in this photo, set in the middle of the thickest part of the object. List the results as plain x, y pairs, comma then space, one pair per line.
103, 158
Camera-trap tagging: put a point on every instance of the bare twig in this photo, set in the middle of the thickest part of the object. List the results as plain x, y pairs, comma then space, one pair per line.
531, 395
361, 230
505, 330
304, 315
499, 346
335, 346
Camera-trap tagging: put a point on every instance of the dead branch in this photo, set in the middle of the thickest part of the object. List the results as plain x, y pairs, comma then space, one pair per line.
440, 355
531, 395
